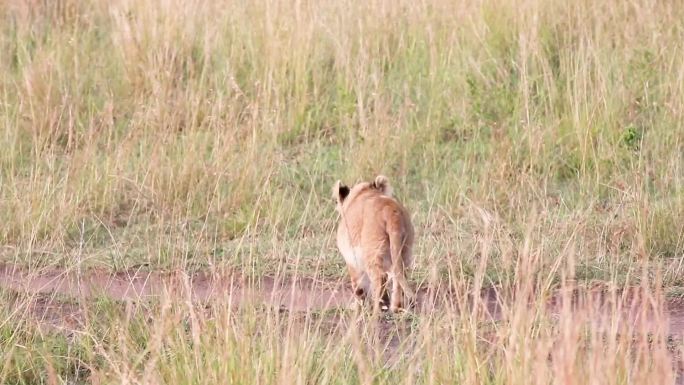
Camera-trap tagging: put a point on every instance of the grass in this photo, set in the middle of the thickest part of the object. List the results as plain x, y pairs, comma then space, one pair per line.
538, 145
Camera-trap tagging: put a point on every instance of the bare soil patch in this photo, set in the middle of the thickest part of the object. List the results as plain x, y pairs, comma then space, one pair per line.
296, 294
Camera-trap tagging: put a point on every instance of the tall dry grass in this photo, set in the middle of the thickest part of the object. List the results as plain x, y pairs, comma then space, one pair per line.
526, 333
200, 134
156, 132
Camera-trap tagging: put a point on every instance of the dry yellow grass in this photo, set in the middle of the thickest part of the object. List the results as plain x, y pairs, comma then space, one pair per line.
539, 144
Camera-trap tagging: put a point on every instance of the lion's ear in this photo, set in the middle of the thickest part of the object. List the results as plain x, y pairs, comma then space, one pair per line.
340, 192
382, 183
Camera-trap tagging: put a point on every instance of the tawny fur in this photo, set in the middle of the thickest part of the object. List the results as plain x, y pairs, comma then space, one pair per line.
375, 236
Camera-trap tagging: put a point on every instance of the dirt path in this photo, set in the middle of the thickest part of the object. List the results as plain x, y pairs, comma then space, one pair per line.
144, 286
299, 295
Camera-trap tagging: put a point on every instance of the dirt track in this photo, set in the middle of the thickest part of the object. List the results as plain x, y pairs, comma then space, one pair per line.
144, 286
300, 295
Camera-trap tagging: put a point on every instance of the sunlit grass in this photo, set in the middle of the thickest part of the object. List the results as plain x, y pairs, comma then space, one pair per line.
538, 145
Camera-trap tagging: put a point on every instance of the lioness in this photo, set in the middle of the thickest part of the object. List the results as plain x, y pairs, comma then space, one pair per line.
375, 236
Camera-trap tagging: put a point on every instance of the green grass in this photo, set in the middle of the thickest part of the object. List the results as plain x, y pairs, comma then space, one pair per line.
534, 140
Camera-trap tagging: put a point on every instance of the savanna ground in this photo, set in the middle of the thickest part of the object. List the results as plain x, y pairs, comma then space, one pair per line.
166, 168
